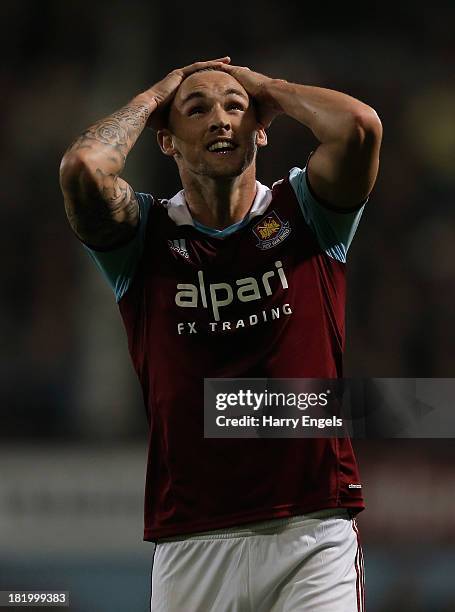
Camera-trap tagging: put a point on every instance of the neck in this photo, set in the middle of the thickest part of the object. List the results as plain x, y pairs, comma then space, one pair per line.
218, 203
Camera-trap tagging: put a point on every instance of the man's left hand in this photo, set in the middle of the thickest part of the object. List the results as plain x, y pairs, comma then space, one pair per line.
258, 87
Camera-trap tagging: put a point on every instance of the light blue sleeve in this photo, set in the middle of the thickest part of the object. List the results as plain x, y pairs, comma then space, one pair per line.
119, 265
334, 230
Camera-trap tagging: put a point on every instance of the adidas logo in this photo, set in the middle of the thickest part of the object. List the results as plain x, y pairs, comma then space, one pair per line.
179, 246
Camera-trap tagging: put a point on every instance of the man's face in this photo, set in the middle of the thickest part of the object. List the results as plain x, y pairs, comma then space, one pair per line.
213, 129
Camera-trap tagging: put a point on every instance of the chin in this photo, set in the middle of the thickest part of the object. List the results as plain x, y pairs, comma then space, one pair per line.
227, 170
224, 172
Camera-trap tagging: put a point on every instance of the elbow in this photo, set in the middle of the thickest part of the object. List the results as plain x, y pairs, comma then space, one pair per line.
366, 126
70, 166
75, 169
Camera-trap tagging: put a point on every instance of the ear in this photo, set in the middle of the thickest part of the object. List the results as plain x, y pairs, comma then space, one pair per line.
261, 137
166, 142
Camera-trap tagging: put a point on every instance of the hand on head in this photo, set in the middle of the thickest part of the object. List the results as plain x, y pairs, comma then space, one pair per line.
254, 83
164, 91
256, 86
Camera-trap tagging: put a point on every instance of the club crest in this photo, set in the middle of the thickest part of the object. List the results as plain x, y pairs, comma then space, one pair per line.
271, 230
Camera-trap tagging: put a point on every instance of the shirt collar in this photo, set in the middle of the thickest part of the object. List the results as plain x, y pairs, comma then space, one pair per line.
179, 212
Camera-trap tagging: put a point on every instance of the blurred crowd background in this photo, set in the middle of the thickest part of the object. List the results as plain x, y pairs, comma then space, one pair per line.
71, 412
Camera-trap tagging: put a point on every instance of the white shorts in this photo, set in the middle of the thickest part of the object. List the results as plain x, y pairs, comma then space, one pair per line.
310, 563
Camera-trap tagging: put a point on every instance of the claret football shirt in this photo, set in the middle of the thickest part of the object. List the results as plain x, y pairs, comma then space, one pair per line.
262, 298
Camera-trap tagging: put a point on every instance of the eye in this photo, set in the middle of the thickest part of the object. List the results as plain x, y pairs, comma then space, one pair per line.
235, 106
196, 110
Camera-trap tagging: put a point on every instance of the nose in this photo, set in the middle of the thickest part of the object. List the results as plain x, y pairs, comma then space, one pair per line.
219, 120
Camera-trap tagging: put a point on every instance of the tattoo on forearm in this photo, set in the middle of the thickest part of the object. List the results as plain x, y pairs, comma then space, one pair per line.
119, 131
104, 211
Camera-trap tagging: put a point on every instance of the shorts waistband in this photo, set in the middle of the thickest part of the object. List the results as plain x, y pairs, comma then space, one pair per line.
269, 527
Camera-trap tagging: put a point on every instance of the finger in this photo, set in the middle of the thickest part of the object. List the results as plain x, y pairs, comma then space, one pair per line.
218, 59
232, 68
223, 61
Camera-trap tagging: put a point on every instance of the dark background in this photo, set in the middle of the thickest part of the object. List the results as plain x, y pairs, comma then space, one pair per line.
71, 411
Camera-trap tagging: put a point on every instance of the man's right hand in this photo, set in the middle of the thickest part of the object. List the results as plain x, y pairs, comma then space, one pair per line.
164, 91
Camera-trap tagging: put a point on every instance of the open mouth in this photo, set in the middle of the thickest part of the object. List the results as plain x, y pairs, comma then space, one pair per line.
222, 147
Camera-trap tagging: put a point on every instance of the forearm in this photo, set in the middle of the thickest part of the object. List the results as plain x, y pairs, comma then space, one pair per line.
329, 114
101, 207
103, 147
